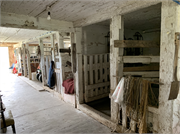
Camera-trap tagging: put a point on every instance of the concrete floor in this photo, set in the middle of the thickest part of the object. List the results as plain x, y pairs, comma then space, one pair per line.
39, 112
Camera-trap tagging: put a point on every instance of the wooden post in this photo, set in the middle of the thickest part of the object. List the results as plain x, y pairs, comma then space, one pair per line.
28, 62
42, 60
19, 58
60, 45
53, 47
116, 67
24, 59
167, 121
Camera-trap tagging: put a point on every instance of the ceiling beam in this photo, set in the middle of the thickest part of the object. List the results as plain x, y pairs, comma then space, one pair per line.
7, 44
122, 9
27, 22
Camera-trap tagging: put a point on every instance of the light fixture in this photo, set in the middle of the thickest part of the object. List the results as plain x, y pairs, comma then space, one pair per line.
49, 16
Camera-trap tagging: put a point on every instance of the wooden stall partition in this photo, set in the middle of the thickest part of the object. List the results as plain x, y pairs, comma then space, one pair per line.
96, 76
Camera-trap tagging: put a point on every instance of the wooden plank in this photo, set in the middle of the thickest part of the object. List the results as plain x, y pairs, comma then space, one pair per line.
85, 77
6, 44
53, 48
59, 39
101, 73
57, 70
135, 44
73, 47
105, 72
79, 71
47, 67
89, 87
42, 60
24, 61
96, 73
91, 74
141, 59
98, 66
143, 68
117, 33
33, 44
98, 97
18, 21
153, 74
28, 62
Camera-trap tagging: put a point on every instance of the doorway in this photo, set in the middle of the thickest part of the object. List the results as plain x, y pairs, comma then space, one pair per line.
96, 61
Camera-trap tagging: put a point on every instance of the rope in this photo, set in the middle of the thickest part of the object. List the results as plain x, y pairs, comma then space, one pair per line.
136, 98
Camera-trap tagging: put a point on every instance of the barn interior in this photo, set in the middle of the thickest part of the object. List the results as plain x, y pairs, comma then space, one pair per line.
106, 66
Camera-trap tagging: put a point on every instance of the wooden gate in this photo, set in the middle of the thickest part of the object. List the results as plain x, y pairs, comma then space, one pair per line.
96, 76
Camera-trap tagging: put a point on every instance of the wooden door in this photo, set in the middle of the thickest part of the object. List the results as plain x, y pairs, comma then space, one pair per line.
96, 76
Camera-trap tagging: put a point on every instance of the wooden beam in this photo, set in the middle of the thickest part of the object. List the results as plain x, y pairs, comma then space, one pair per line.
7, 44
33, 44
153, 74
93, 86
143, 68
135, 44
141, 59
27, 22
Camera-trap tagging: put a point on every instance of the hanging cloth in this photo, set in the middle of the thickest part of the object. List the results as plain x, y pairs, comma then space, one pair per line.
118, 93
51, 79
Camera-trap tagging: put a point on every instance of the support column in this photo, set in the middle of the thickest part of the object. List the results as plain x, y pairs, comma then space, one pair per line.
176, 104
28, 62
42, 60
78, 74
167, 51
24, 59
52, 48
116, 67
60, 45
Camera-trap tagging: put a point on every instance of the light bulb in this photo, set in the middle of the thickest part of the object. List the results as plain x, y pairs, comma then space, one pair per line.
49, 16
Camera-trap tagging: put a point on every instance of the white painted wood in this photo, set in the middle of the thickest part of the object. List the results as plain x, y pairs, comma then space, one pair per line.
85, 77
106, 90
79, 72
53, 48
28, 62
60, 45
101, 73
47, 67
116, 69
153, 74
27, 22
91, 75
42, 61
95, 87
24, 60
96, 74
141, 59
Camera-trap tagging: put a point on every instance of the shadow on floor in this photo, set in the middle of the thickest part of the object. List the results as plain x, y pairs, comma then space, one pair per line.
102, 105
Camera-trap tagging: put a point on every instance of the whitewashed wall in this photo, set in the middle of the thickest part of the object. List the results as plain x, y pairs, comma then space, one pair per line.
94, 39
